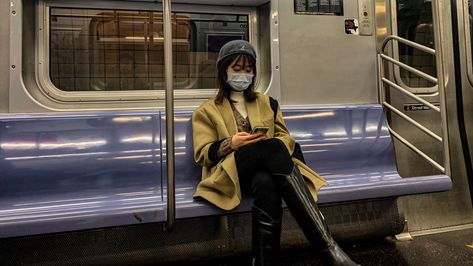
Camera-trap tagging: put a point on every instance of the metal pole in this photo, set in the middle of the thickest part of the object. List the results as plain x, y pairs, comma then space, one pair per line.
171, 204
381, 95
412, 121
407, 42
437, 21
411, 95
416, 150
410, 69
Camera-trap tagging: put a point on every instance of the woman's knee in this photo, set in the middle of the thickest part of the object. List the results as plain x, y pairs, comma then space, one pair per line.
276, 146
277, 159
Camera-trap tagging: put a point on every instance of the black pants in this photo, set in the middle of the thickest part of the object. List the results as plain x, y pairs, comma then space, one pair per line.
256, 163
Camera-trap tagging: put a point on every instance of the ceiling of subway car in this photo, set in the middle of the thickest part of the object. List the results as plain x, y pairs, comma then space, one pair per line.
213, 2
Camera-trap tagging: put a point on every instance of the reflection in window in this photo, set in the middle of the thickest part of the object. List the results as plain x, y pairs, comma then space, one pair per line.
113, 50
415, 23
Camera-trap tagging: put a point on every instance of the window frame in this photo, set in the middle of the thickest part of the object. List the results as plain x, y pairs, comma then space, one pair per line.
420, 91
42, 65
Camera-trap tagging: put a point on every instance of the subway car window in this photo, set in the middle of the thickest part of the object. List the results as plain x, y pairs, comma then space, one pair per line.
123, 50
415, 23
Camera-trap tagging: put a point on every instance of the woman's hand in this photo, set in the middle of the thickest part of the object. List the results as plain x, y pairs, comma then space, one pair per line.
241, 139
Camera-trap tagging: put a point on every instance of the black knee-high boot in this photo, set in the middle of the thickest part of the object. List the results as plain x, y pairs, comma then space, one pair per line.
266, 238
306, 213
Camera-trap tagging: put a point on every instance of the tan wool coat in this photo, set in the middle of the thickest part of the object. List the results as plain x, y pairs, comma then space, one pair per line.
212, 122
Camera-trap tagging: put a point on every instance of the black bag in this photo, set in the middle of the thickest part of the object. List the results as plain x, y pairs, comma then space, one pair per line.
297, 148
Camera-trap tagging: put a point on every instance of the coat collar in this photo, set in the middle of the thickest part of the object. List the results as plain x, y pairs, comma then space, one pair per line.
252, 109
227, 115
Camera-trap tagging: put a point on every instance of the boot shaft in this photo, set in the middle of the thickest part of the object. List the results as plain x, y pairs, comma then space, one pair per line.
266, 238
303, 207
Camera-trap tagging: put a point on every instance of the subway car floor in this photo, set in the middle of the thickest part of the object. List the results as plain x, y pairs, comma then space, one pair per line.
448, 248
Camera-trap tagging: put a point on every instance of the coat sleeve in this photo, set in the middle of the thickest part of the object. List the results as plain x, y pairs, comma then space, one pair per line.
204, 135
281, 132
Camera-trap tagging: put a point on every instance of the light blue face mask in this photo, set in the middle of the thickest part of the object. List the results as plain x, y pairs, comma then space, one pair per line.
239, 81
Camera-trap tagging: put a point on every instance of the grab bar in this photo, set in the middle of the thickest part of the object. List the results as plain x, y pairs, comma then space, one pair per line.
171, 201
438, 81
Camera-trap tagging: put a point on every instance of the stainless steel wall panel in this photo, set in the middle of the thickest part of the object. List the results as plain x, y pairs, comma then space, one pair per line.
4, 55
320, 63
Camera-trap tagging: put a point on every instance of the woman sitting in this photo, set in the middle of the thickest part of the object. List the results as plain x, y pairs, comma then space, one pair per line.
236, 159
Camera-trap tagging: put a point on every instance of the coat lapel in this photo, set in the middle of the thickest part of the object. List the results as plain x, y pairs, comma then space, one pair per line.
228, 118
254, 113
252, 109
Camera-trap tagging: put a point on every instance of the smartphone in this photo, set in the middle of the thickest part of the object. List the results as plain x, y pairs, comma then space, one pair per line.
259, 129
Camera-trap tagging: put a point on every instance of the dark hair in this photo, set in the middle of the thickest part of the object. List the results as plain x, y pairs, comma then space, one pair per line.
224, 90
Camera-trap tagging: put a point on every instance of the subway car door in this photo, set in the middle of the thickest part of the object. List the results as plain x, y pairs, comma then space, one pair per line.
426, 23
463, 49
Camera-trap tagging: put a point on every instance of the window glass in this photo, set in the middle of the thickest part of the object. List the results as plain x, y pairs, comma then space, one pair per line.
116, 50
414, 22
